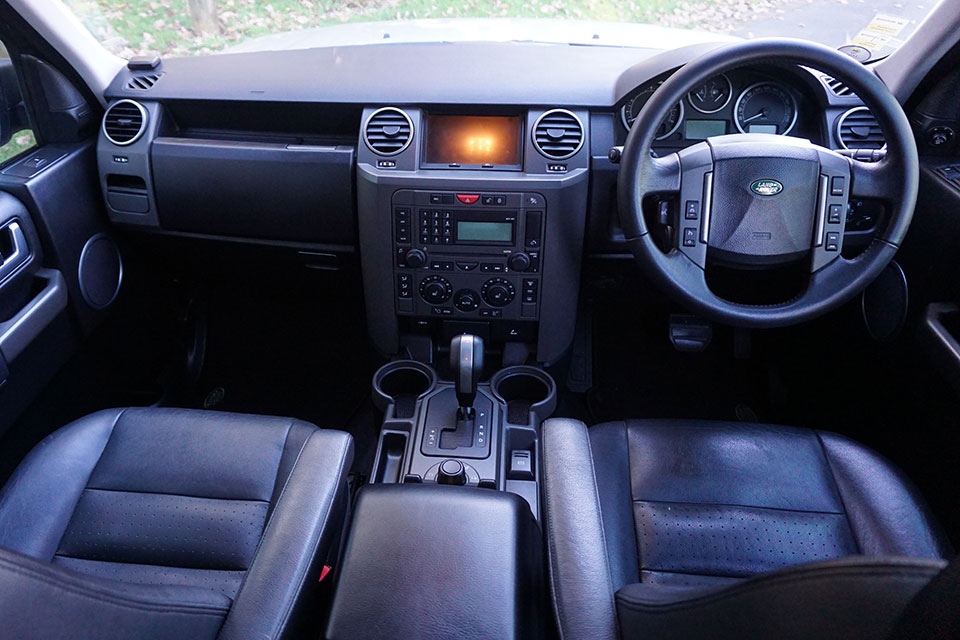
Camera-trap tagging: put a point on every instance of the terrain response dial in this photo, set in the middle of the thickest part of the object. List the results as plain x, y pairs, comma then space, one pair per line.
435, 289
498, 292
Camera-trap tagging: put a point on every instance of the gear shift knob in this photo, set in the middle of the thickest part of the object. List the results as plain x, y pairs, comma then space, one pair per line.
466, 360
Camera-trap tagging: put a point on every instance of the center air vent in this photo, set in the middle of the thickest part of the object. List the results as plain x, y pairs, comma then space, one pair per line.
143, 82
837, 87
858, 129
388, 131
558, 134
124, 122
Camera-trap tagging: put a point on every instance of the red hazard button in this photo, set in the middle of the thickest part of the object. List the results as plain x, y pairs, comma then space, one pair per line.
467, 198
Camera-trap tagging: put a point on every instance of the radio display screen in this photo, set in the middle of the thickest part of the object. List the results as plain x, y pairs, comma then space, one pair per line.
472, 140
472, 231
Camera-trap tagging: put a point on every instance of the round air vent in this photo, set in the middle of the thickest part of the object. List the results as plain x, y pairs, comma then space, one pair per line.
858, 129
124, 122
558, 134
388, 132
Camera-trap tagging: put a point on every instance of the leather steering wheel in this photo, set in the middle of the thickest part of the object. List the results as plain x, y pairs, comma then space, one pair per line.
763, 200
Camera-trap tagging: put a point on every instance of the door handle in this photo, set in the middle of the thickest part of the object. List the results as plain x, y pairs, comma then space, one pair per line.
19, 253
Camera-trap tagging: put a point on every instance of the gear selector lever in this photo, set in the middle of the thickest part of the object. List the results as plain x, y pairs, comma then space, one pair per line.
466, 360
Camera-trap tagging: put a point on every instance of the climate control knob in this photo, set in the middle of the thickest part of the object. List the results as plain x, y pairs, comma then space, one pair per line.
466, 300
518, 262
498, 292
435, 289
415, 258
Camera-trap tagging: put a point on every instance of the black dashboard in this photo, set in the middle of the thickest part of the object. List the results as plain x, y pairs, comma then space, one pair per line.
472, 179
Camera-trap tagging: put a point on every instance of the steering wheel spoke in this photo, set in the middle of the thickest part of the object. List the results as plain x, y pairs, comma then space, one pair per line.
876, 180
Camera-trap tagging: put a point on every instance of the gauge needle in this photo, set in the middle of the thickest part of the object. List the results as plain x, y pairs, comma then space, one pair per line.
762, 113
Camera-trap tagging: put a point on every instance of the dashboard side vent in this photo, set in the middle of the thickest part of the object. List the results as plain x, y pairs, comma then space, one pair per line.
837, 87
558, 134
143, 82
124, 122
859, 129
388, 131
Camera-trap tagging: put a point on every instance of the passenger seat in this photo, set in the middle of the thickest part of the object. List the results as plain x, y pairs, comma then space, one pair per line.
170, 523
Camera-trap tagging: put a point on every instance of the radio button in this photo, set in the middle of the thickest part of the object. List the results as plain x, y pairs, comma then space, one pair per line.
436, 198
467, 266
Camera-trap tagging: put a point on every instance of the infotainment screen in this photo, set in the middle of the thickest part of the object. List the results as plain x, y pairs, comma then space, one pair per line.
473, 140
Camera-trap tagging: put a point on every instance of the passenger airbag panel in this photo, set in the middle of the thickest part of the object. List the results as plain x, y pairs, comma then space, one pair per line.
255, 190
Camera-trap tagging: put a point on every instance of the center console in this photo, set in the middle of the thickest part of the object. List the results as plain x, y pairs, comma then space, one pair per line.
472, 223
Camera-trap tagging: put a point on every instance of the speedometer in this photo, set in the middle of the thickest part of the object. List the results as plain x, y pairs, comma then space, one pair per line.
632, 108
765, 107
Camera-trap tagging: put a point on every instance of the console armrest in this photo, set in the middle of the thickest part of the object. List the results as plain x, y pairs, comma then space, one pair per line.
439, 561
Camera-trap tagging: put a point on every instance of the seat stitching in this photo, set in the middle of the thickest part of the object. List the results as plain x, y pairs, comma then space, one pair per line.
318, 532
106, 442
554, 583
833, 476
125, 601
811, 574
738, 506
603, 534
177, 495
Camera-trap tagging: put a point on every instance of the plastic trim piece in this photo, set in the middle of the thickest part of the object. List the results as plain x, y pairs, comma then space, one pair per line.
20, 330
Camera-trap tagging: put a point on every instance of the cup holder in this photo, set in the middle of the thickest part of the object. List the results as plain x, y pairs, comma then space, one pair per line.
401, 384
525, 390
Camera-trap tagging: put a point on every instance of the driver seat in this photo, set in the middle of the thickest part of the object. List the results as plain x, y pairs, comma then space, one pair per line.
694, 529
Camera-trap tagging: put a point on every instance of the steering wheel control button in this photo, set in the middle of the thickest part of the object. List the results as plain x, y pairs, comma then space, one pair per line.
435, 289
835, 213
689, 236
836, 185
498, 292
692, 210
467, 198
833, 241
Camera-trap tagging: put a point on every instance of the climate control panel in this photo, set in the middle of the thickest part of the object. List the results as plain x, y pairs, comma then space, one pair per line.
468, 255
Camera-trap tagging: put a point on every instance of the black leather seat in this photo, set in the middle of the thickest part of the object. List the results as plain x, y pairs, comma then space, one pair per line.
674, 528
166, 523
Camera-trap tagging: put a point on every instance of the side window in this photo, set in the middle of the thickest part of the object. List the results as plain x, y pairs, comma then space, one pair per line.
15, 133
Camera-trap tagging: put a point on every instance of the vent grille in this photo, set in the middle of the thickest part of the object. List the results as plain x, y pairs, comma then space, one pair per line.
837, 87
143, 82
124, 122
558, 134
859, 129
388, 131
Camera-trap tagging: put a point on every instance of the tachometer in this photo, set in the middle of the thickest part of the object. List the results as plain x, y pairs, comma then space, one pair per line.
631, 110
712, 95
765, 107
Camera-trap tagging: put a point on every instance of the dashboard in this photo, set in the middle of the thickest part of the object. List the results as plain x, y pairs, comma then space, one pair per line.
471, 179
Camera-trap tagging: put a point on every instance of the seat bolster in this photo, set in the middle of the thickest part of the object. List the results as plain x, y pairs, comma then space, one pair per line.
852, 597
306, 521
886, 512
580, 577
37, 502
40, 601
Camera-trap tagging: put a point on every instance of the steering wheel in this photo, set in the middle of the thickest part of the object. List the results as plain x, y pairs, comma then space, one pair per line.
762, 201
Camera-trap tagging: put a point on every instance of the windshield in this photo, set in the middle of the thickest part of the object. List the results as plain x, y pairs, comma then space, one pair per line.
871, 29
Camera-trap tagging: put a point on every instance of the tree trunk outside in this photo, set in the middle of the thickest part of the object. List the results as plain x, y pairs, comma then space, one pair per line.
204, 16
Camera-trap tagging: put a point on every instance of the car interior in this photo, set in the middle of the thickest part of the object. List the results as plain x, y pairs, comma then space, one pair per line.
479, 327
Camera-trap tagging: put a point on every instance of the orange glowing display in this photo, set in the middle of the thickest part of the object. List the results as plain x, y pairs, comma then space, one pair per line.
473, 140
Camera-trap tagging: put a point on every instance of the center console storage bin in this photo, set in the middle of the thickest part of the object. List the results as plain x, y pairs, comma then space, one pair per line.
436, 561
271, 191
